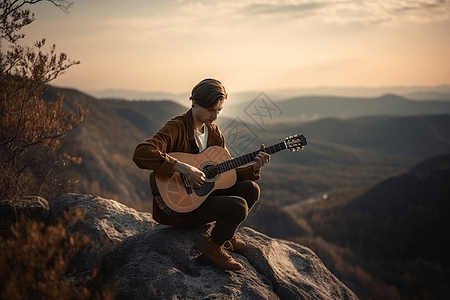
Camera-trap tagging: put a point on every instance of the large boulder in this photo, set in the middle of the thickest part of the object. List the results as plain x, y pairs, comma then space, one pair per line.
107, 222
146, 260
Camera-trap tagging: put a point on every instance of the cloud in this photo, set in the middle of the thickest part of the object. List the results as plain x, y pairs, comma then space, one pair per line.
353, 11
292, 10
183, 19
420, 10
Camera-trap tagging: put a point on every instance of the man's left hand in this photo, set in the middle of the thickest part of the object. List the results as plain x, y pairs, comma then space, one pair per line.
261, 159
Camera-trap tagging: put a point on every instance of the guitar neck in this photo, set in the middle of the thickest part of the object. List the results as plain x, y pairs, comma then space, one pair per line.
247, 158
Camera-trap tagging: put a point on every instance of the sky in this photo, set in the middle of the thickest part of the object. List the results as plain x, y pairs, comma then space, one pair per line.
169, 46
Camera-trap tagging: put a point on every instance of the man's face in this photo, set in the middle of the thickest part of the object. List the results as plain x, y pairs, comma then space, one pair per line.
208, 115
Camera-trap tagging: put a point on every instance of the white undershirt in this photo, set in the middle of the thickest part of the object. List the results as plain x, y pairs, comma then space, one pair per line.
201, 138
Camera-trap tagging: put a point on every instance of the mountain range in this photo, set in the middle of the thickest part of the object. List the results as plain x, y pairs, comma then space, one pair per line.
358, 184
378, 144
307, 108
420, 93
314, 103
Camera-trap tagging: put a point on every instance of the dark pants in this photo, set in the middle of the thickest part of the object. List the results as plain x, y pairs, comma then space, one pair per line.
228, 207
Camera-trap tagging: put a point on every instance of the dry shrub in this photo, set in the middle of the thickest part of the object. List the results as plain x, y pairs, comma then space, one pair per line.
35, 262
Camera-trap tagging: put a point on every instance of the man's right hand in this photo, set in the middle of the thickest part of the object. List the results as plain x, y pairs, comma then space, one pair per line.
194, 175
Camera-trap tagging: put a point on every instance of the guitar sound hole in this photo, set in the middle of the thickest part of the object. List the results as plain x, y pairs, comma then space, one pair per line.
210, 170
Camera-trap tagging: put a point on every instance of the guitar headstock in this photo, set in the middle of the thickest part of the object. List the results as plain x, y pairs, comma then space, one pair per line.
295, 142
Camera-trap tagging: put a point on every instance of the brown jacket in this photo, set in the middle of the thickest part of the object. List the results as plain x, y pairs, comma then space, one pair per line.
177, 135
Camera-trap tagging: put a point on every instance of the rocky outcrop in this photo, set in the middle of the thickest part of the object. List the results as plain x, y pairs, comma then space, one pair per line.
145, 260
165, 264
105, 220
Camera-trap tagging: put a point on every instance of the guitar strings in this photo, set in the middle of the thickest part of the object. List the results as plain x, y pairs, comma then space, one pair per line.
212, 170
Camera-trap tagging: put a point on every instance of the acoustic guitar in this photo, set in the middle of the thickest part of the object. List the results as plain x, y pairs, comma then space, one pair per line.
219, 169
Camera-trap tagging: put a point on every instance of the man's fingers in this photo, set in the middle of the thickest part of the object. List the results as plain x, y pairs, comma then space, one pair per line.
265, 157
196, 177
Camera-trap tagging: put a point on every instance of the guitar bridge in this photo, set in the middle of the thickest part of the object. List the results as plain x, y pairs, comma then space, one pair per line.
186, 184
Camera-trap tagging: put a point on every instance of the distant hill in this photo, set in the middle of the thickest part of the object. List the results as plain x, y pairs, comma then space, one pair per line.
131, 95
340, 107
146, 116
429, 95
422, 136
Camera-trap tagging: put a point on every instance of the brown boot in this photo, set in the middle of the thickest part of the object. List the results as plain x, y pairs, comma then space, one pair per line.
219, 257
235, 244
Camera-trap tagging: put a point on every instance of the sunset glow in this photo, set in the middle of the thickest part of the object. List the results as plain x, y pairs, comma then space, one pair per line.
248, 45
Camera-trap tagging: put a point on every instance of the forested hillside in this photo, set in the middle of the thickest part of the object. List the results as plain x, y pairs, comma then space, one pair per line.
389, 242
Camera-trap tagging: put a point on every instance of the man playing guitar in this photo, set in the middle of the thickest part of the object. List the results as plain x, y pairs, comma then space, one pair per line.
193, 132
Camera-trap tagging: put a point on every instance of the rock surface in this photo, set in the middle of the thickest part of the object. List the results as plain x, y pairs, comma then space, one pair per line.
106, 220
145, 260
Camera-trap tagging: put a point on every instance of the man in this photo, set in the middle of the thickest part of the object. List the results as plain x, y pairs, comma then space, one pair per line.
192, 132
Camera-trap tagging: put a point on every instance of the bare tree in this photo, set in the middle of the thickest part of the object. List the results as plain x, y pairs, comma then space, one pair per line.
14, 15
30, 127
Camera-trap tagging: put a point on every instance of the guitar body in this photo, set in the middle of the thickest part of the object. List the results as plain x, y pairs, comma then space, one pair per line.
176, 191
